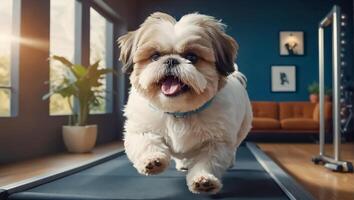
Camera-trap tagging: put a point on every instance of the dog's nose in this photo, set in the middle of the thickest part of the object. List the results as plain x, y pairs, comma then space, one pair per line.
170, 62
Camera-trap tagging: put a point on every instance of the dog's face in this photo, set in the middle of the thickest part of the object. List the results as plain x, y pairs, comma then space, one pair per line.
178, 66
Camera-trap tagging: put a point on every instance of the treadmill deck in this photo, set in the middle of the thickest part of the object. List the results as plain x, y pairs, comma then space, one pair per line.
117, 179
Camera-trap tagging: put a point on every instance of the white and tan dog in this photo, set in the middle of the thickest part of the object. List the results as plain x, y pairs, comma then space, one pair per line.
187, 101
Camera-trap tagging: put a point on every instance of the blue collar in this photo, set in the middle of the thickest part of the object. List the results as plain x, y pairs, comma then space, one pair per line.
189, 113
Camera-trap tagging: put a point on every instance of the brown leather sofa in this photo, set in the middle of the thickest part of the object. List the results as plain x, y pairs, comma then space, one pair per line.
287, 117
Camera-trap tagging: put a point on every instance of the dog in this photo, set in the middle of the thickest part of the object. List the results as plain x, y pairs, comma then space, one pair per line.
187, 102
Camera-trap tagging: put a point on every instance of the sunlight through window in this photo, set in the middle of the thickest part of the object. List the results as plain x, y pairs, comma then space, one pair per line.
9, 11
62, 43
101, 48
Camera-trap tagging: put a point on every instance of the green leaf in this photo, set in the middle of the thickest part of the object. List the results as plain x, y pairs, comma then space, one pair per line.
63, 60
105, 71
46, 96
79, 71
84, 83
95, 65
67, 92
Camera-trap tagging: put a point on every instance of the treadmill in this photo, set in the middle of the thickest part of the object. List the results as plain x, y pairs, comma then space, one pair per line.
112, 177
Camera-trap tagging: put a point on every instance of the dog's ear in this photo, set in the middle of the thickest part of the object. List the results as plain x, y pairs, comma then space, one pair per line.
226, 50
125, 43
224, 45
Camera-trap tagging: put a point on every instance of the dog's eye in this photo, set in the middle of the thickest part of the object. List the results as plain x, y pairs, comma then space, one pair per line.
191, 57
155, 56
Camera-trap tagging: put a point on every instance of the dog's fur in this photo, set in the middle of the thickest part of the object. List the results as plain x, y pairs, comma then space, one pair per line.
203, 142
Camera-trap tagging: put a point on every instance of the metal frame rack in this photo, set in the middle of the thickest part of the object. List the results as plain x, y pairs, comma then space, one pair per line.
335, 163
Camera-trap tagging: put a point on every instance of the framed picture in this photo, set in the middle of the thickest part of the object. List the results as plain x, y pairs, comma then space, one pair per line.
291, 43
283, 78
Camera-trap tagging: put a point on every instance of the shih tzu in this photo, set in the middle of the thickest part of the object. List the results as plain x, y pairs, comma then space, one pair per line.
188, 101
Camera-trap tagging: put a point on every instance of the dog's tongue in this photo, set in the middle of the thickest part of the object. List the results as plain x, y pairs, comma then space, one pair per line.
170, 86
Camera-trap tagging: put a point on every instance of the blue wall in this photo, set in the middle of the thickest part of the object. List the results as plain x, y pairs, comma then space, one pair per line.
255, 24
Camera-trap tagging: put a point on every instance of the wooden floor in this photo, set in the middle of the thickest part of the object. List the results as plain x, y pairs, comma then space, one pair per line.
21, 171
322, 183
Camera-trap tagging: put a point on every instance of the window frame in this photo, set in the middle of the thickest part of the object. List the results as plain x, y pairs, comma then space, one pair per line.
78, 40
120, 81
81, 41
109, 57
13, 86
110, 63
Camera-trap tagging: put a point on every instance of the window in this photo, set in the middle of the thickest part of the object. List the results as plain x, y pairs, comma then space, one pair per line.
65, 37
9, 56
65, 40
101, 48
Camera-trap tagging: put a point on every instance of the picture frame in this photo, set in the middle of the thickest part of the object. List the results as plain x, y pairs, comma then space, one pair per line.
283, 78
291, 43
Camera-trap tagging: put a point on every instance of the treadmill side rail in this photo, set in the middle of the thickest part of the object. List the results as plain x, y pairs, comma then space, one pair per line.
289, 186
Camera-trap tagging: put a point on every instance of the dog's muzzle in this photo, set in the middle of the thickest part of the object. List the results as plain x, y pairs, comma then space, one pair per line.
171, 62
170, 84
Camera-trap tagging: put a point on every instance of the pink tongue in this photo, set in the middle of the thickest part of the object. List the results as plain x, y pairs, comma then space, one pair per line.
170, 86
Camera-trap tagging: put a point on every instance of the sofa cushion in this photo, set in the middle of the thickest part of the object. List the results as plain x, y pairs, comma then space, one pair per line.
296, 110
265, 109
299, 124
265, 123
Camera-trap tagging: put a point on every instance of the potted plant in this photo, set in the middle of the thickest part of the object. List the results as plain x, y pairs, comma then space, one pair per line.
82, 83
328, 94
313, 90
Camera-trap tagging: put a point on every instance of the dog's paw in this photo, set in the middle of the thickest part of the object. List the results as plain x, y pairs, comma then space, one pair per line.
153, 164
205, 184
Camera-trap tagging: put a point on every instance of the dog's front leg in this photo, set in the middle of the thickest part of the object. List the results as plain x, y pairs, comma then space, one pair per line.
208, 168
148, 152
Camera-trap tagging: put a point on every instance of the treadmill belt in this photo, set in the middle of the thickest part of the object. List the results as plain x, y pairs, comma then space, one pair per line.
117, 179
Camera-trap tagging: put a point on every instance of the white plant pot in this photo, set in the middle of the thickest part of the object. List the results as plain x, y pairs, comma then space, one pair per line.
80, 139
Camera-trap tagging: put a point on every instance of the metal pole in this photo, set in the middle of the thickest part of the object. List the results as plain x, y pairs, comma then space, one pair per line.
336, 81
321, 88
